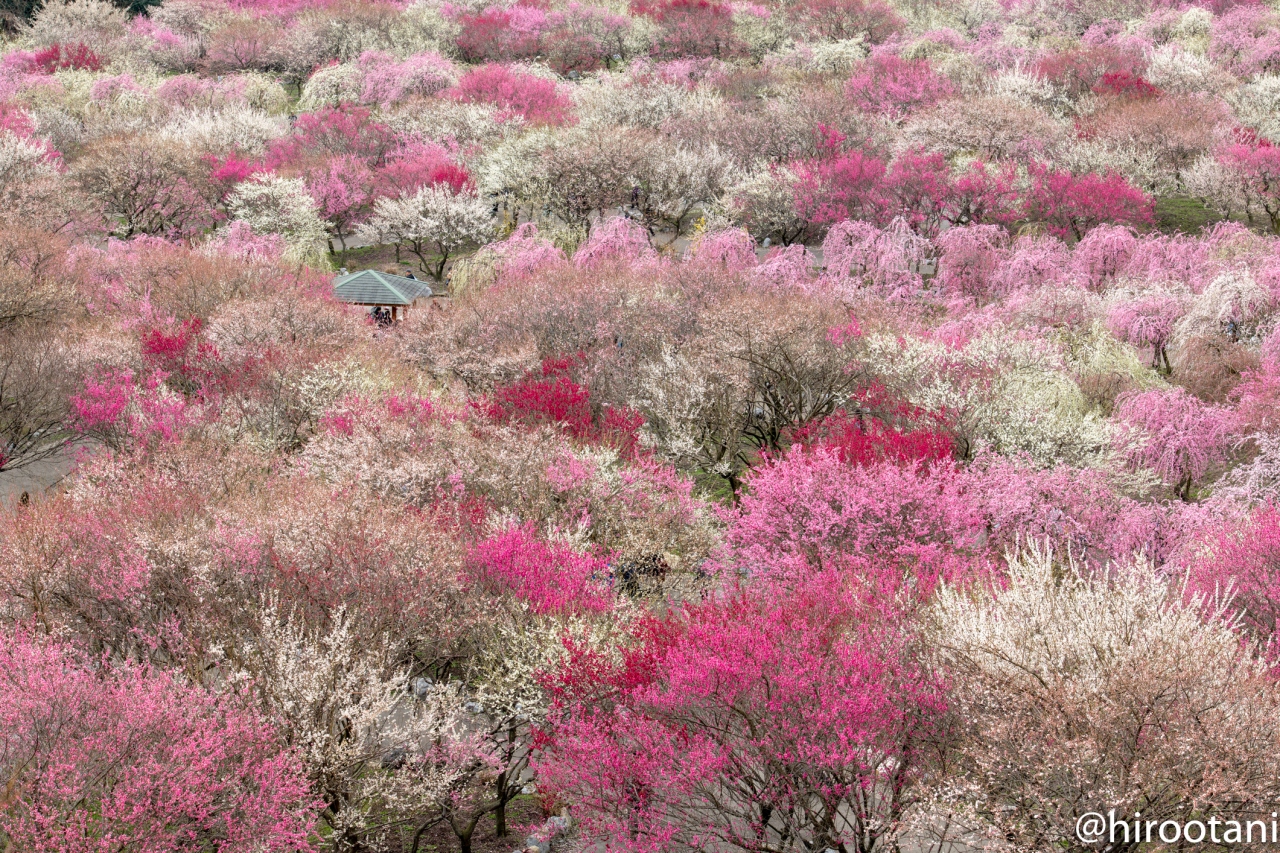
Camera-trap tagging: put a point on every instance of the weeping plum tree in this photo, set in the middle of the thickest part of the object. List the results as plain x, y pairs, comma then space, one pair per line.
1175, 435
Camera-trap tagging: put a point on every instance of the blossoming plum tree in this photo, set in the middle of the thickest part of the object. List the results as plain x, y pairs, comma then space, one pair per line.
1052, 723
134, 758
709, 538
713, 734
433, 223
1175, 435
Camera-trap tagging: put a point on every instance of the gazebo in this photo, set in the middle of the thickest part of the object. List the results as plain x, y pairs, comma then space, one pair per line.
381, 290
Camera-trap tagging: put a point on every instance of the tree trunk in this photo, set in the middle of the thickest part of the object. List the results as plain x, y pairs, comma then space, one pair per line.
465, 832
500, 813
464, 838
1184, 489
735, 487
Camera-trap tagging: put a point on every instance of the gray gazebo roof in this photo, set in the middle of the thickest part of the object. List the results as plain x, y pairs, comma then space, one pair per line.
370, 287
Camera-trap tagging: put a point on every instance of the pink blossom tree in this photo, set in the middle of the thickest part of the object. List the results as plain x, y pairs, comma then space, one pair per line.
1244, 40
773, 718
970, 257
420, 165
891, 497
551, 578
617, 240
1102, 254
895, 87
333, 131
785, 266
1256, 168
983, 193
533, 99
1257, 396
121, 758
1173, 434
691, 28
523, 255
343, 190
812, 511
495, 34
117, 408
1240, 560
1147, 320
888, 259
388, 81
730, 249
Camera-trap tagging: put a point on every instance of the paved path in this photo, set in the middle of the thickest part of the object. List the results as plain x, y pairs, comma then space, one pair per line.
35, 479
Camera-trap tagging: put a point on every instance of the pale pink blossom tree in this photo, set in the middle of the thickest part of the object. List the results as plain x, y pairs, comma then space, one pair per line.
895, 87
970, 256
1148, 320
343, 190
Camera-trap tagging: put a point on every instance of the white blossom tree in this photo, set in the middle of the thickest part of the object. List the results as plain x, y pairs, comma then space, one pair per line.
765, 203
22, 160
434, 224
270, 204
236, 128
1080, 694
380, 751
676, 184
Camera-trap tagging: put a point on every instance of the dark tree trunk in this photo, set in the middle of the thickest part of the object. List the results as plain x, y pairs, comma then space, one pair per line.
500, 813
465, 832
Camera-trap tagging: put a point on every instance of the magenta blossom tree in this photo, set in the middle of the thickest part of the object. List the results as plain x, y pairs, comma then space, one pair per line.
918, 188
772, 719
847, 186
551, 578
1070, 206
1241, 558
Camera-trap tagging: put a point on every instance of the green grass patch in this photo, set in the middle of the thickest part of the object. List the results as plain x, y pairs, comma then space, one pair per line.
379, 258
1180, 214
712, 487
